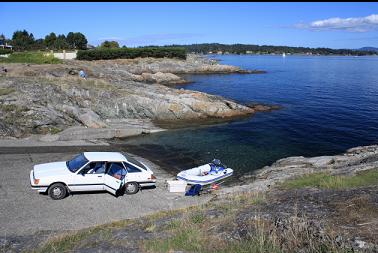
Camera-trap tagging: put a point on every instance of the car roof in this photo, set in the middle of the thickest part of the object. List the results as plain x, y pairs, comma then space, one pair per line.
105, 156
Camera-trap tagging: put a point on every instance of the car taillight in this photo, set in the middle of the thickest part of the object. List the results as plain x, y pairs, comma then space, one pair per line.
36, 181
152, 177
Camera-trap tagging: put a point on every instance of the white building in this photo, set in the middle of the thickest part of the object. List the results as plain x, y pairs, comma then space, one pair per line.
6, 46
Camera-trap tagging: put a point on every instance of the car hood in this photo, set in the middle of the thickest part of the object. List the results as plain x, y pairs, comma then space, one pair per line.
51, 169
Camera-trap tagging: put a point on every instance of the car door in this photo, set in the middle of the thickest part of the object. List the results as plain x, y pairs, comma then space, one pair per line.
89, 178
114, 177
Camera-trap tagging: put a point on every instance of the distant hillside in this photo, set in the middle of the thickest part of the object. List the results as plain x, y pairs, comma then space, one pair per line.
216, 48
373, 49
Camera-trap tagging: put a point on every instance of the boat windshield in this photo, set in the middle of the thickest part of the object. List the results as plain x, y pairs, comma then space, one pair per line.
76, 163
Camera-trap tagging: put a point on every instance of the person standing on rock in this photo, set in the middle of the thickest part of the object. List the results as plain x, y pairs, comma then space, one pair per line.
82, 74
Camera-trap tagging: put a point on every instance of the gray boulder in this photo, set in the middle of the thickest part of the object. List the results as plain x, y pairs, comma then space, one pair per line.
91, 119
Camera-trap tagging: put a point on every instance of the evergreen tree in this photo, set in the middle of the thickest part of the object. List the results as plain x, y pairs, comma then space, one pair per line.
22, 40
61, 42
50, 40
76, 40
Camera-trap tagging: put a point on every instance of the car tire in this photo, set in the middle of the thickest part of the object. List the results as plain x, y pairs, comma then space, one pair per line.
57, 191
131, 188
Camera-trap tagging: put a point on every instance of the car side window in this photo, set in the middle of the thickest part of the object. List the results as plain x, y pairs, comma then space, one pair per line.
94, 168
131, 168
116, 170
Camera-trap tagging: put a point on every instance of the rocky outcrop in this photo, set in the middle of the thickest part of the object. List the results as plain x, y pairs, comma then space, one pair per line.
148, 70
354, 160
46, 105
46, 99
91, 119
193, 64
162, 78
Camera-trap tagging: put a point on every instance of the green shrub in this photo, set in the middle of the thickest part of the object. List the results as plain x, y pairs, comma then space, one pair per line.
131, 53
31, 57
5, 51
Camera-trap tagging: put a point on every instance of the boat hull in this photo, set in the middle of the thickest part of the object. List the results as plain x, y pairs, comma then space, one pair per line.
206, 179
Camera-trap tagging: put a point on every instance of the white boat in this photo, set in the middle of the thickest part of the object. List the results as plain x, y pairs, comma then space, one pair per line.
206, 174
283, 55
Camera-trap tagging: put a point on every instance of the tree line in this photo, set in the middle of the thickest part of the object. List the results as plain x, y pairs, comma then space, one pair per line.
206, 48
22, 40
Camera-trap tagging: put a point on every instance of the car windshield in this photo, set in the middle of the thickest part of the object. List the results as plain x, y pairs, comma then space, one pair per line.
134, 161
76, 163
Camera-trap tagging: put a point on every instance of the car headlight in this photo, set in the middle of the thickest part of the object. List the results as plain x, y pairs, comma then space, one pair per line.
36, 181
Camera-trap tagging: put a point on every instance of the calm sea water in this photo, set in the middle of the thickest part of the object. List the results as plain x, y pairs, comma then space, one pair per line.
329, 104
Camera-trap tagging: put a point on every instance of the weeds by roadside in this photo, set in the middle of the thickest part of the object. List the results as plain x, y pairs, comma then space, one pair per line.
235, 223
327, 181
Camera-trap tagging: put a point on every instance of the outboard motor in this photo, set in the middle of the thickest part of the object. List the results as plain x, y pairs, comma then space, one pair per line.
217, 162
217, 166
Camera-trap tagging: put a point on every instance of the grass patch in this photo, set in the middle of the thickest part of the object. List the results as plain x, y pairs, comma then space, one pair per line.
175, 224
5, 51
54, 130
261, 237
197, 218
326, 181
150, 228
63, 243
188, 239
67, 242
6, 91
30, 57
12, 114
47, 129
10, 108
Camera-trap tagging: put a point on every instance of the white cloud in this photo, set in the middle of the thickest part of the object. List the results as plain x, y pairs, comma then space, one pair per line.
354, 24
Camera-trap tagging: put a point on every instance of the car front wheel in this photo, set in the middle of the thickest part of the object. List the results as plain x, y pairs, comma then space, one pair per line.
131, 188
57, 191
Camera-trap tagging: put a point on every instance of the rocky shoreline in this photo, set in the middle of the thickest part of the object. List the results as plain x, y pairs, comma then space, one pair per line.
353, 161
120, 98
342, 219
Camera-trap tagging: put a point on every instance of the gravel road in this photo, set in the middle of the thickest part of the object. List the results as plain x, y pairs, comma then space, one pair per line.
25, 212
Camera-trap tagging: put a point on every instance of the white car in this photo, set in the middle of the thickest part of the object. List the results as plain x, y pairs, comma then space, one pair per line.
92, 171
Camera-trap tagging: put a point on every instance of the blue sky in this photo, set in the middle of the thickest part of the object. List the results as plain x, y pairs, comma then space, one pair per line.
335, 25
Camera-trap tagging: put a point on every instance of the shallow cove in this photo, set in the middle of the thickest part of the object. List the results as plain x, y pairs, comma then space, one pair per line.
330, 104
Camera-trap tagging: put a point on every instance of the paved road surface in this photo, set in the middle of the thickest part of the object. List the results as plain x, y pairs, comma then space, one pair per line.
24, 211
